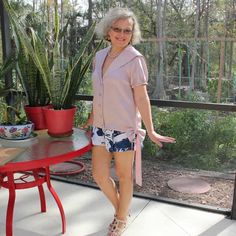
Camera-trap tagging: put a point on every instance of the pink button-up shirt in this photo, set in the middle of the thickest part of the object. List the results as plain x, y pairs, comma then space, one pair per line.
113, 103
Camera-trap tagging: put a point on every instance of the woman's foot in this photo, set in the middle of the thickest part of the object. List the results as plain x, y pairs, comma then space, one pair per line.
117, 227
114, 220
112, 223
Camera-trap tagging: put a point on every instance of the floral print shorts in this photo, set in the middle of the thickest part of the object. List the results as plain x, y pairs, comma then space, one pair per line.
114, 141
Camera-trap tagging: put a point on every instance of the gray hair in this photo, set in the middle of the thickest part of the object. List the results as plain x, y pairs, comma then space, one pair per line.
113, 15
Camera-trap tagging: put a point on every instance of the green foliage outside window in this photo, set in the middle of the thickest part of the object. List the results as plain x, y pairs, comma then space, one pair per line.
227, 88
205, 139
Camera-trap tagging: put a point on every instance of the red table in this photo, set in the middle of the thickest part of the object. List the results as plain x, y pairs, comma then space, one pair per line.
39, 153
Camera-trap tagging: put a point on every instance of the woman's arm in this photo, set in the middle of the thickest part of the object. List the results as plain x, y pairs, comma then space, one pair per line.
143, 103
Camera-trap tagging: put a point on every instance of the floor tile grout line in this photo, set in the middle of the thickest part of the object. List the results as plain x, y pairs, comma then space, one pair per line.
175, 223
137, 214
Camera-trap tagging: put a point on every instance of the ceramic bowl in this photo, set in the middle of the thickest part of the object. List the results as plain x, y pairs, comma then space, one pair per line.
16, 132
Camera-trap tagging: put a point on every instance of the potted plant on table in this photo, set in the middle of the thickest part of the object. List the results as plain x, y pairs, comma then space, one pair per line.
13, 124
32, 81
30, 77
35, 90
62, 76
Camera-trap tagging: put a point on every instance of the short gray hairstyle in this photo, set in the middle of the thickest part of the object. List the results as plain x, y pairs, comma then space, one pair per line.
113, 15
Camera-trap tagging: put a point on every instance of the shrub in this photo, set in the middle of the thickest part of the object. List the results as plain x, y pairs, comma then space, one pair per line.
205, 139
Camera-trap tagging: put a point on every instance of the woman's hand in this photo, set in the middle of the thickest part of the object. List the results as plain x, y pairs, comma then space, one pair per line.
88, 123
84, 126
159, 139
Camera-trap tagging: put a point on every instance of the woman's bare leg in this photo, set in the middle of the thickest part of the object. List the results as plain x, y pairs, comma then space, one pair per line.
101, 161
124, 166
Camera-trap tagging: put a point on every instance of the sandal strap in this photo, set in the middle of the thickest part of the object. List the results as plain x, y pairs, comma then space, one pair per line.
117, 227
113, 222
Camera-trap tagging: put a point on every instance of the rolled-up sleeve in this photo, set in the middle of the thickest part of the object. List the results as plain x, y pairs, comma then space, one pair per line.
138, 72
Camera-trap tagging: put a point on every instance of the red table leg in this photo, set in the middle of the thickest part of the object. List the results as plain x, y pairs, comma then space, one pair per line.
41, 191
11, 203
55, 196
1, 180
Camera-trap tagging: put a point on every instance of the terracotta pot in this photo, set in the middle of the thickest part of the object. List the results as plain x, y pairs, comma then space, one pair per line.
59, 122
36, 115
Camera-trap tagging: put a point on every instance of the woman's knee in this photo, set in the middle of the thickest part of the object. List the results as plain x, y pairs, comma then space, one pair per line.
100, 177
124, 175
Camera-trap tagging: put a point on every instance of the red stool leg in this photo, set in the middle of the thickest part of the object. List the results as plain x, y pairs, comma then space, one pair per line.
41, 192
11, 203
55, 196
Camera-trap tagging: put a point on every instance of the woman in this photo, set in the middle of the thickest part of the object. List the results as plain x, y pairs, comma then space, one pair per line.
120, 96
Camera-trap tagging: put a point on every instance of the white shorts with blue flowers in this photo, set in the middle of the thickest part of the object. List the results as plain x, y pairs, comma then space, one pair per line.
113, 140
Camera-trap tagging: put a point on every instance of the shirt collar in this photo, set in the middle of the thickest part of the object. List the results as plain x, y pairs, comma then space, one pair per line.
128, 54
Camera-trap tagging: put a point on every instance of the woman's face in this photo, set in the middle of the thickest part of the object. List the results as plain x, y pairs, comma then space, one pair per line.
121, 32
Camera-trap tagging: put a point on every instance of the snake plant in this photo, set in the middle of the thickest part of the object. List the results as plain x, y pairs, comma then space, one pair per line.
28, 72
62, 76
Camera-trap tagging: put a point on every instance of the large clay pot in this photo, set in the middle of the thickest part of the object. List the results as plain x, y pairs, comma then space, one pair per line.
59, 122
36, 115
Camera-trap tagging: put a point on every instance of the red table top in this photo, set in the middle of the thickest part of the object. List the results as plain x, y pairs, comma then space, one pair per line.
43, 150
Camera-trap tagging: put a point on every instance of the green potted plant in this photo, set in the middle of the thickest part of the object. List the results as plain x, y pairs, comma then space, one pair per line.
31, 79
35, 90
13, 124
62, 76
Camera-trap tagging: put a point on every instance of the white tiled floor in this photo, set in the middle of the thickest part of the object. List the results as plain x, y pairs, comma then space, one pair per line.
88, 213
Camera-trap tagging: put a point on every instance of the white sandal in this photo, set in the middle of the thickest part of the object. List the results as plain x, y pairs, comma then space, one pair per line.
112, 223
117, 227
114, 220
